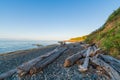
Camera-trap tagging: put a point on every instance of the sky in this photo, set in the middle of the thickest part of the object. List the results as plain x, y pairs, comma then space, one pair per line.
52, 19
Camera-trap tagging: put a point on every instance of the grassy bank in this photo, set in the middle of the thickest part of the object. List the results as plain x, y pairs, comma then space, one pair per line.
108, 36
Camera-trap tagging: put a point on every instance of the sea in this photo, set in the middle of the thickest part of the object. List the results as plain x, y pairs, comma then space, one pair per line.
14, 45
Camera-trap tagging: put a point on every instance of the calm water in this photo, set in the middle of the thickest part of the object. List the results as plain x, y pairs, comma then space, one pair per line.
14, 45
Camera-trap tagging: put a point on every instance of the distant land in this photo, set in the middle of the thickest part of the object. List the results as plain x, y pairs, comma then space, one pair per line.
77, 39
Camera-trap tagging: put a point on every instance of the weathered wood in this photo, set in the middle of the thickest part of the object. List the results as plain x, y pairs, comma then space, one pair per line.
80, 61
90, 53
95, 51
72, 59
62, 43
25, 67
40, 65
7, 74
84, 67
114, 63
112, 73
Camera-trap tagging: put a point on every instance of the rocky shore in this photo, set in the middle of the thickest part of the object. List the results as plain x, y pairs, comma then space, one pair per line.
11, 60
53, 71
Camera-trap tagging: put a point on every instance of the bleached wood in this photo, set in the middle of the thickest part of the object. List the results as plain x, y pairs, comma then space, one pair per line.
84, 67
25, 67
7, 74
112, 72
72, 59
46, 61
114, 63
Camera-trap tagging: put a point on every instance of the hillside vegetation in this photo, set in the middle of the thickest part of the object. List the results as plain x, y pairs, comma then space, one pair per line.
108, 36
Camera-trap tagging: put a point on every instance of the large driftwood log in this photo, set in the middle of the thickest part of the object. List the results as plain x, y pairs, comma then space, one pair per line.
114, 63
25, 67
112, 72
84, 67
72, 59
46, 61
7, 74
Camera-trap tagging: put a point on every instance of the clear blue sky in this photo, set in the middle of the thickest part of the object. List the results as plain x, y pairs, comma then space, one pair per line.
52, 19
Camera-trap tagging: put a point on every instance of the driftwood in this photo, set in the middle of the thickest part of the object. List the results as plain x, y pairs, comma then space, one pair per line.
7, 74
62, 43
35, 64
112, 73
46, 61
114, 63
90, 56
95, 52
25, 67
72, 59
86, 61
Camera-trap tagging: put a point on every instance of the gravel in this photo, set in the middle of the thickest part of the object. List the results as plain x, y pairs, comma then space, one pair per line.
54, 71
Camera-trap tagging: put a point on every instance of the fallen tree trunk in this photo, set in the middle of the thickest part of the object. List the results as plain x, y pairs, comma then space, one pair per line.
25, 67
114, 63
7, 74
112, 73
40, 65
92, 51
72, 59
84, 67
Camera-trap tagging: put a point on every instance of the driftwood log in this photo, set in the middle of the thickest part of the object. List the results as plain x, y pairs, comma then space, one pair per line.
84, 67
72, 59
40, 65
112, 72
114, 63
34, 65
25, 67
7, 74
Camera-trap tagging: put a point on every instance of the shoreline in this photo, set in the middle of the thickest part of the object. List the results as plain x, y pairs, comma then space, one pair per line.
11, 60
37, 47
7, 46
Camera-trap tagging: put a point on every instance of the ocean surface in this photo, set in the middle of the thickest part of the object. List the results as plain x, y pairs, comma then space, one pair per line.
14, 45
